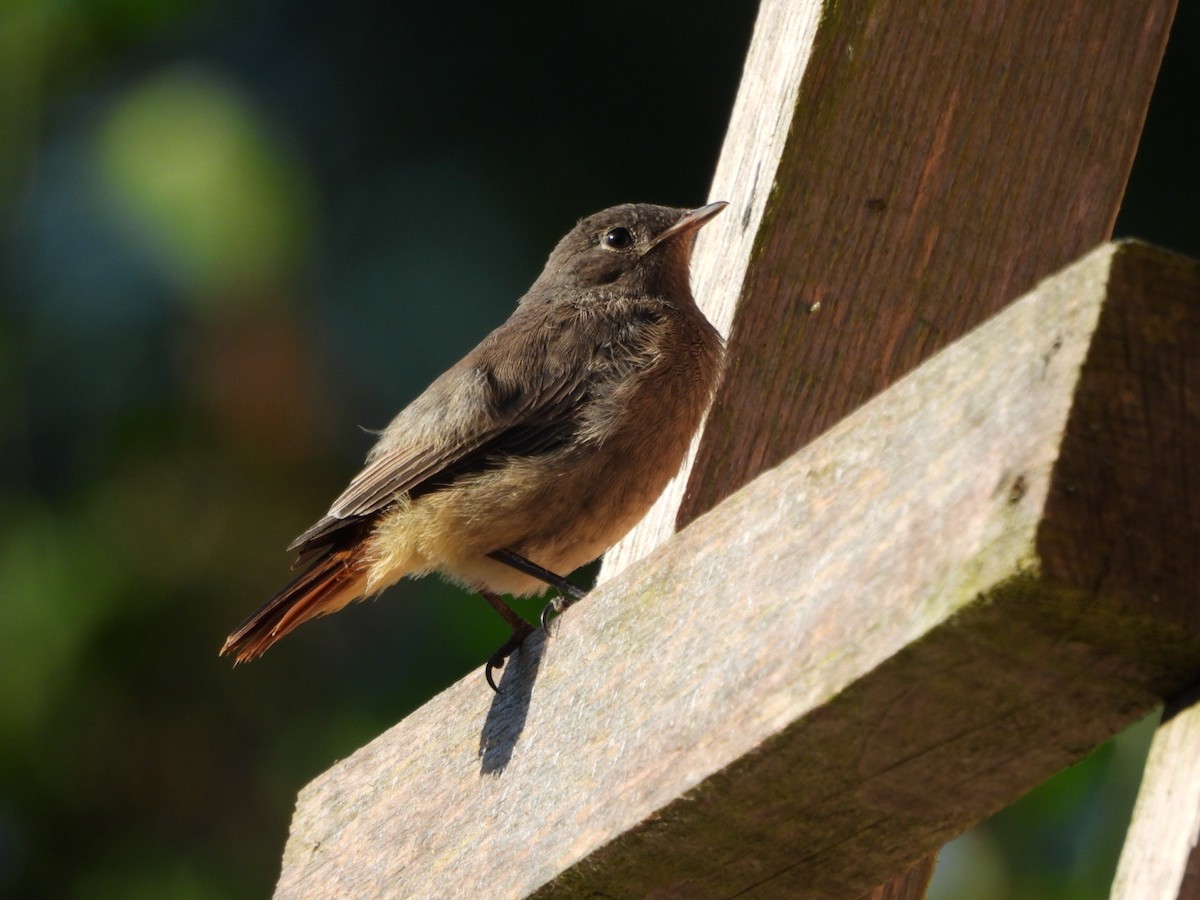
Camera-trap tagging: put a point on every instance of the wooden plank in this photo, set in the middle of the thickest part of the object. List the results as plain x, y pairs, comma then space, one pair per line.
759, 132
1160, 849
941, 159
918, 649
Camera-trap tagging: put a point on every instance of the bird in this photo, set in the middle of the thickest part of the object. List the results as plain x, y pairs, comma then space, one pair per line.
538, 450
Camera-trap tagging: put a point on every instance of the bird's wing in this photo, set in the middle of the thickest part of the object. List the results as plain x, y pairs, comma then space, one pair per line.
466, 419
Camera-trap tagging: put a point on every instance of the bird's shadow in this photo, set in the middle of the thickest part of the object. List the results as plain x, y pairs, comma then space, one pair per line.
510, 706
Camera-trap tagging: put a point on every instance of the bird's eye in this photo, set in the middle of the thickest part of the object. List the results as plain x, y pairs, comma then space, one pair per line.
618, 239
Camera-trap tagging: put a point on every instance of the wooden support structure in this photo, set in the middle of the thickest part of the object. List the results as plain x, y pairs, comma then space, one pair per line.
947, 596
1161, 860
963, 587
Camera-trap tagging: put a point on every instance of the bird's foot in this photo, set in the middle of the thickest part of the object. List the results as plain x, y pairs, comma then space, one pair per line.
504, 651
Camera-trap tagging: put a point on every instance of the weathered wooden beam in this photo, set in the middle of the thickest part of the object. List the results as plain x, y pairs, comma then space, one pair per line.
910, 168
759, 133
1161, 859
941, 160
962, 588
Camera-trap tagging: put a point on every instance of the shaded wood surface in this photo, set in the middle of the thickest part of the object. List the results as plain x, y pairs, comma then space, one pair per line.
914, 655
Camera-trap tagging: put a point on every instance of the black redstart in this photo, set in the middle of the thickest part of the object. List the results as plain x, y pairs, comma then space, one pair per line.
540, 449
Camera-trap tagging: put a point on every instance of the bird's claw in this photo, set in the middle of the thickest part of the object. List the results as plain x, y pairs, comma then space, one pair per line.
503, 652
553, 608
522, 630
495, 662
559, 605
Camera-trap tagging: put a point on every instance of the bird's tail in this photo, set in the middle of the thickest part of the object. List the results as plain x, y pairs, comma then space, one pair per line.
333, 581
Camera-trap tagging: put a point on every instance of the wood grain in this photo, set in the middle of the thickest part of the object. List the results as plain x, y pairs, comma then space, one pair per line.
904, 664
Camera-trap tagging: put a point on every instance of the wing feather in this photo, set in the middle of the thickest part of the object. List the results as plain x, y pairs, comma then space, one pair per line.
472, 416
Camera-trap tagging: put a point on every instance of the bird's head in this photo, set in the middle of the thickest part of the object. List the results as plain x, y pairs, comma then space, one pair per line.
633, 248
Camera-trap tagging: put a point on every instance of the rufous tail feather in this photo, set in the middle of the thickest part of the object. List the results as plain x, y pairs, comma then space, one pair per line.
333, 581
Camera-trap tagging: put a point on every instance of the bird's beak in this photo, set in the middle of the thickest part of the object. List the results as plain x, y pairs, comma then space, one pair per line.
693, 220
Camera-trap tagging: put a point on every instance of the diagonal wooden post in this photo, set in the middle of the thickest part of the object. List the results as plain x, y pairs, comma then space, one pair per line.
898, 173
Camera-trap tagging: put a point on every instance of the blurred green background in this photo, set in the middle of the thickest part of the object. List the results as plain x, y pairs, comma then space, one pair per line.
232, 233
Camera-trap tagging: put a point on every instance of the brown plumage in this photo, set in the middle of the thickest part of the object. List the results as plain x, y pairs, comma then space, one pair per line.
549, 440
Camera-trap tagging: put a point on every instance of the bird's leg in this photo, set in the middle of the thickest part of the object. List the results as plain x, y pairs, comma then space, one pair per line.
520, 630
569, 593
